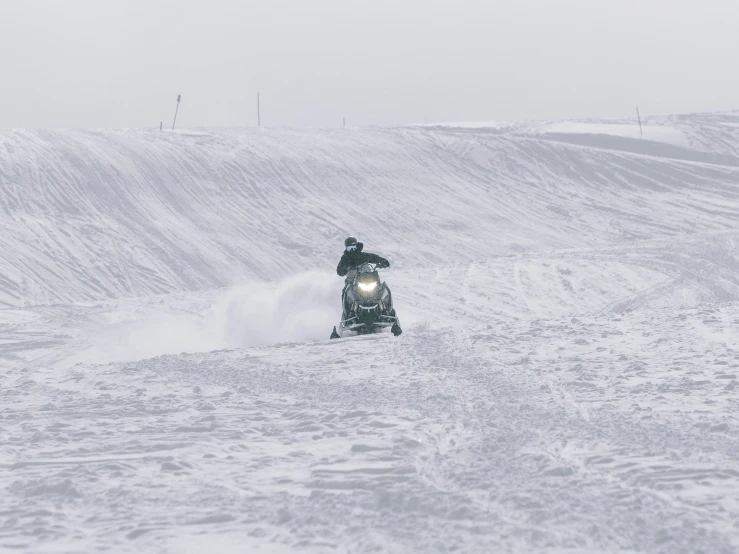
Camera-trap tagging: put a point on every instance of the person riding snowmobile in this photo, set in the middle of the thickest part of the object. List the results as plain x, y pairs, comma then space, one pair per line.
353, 257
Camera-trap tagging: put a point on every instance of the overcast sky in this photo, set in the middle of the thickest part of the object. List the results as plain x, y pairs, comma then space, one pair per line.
121, 63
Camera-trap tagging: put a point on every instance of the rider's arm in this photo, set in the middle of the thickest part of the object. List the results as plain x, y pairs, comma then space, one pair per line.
343, 268
375, 259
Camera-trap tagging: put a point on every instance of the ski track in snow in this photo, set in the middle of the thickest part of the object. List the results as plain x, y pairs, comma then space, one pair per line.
567, 381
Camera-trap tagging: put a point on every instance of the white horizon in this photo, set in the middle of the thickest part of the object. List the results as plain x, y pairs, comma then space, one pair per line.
85, 64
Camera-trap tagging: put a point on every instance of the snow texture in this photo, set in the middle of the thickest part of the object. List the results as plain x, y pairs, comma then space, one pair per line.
566, 382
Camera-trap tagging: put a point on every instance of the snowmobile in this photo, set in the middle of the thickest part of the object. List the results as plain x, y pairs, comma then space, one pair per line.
368, 305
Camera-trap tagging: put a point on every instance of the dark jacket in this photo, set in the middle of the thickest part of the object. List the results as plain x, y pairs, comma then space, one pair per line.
357, 258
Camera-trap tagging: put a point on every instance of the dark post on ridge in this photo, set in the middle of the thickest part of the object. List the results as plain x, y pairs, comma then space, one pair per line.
179, 97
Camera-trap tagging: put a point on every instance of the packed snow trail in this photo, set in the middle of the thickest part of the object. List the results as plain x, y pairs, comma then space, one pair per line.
567, 381
593, 436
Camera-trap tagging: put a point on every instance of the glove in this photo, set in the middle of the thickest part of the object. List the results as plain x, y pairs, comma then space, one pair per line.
384, 264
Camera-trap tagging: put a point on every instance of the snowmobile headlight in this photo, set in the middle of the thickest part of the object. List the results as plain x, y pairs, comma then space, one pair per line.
367, 287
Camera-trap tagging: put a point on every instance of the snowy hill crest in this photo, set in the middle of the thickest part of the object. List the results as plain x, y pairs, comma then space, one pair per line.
90, 215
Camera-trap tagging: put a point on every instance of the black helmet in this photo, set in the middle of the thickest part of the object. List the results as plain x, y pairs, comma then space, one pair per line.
350, 241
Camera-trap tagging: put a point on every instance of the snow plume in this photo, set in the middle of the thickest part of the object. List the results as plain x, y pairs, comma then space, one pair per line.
302, 307
156, 335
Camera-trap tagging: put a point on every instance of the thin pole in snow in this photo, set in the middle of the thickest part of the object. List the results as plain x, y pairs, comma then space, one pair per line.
641, 133
179, 97
345, 123
161, 124
259, 115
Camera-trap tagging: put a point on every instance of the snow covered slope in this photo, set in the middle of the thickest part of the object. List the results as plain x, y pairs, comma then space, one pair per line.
567, 381
92, 215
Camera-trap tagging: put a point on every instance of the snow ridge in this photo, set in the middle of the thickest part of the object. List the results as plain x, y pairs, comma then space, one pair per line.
93, 215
